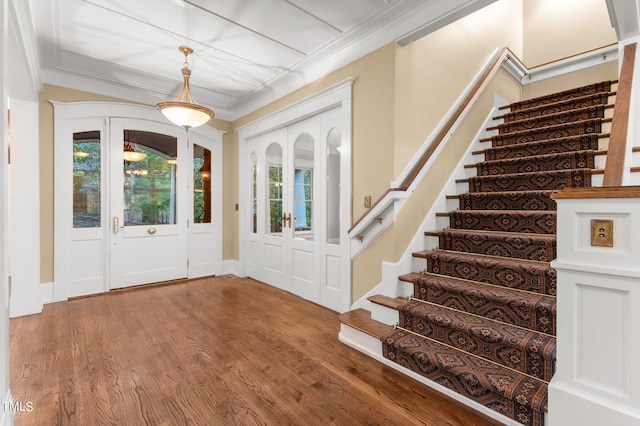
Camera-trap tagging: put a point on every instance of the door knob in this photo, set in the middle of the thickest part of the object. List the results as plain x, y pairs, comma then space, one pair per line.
151, 231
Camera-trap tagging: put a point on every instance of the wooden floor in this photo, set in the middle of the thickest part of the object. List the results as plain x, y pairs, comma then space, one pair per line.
215, 351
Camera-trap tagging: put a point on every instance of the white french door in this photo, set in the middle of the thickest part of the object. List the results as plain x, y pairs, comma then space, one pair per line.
137, 201
294, 222
148, 238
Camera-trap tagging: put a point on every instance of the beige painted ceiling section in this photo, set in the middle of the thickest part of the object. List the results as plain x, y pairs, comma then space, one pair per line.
247, 53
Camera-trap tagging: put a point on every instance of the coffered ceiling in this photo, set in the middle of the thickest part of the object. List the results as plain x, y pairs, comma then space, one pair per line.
247, 53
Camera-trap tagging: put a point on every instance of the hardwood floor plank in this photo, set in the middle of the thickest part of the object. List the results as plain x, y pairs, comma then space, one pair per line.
219, 350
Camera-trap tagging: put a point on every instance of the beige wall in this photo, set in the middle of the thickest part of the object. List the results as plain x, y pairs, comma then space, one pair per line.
604, 72
432, 72
61, 94
373, 111
556, 29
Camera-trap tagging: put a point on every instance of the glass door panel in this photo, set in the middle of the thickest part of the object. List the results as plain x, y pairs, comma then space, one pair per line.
333, 187
149, 179
87, 176
303, 187
201, 184
275, 218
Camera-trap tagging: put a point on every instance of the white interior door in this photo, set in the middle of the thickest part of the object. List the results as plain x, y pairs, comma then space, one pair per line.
148, 238
303, 209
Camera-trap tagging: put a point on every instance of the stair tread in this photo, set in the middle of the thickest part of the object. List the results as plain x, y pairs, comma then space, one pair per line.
481, 299
361, 320
520, 274
541, 143
549, 128
483, 337
594, 109
389, 302
604, 86
553, 114
493, 234
446, 365
607, 93
425, 254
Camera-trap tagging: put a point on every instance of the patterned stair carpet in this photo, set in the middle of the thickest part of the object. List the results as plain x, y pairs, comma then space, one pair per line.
482, 318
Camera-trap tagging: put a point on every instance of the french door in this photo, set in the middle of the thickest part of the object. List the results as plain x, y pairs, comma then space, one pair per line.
294, 238
148, 238
134, 203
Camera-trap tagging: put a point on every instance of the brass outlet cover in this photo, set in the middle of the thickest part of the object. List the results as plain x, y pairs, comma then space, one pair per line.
602, 232
367, 202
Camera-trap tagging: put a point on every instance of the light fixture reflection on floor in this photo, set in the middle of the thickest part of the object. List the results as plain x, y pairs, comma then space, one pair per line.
132, 155
184, 111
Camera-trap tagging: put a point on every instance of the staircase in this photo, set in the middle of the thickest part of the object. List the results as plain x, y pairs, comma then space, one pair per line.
481, 321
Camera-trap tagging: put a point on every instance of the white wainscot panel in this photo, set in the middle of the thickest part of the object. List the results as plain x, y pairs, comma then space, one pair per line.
86, 275
303, 265
252, 254
273, 257
333, 273
203, 250
603, 315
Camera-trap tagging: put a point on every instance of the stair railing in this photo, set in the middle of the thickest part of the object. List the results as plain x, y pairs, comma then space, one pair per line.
617, 152
382, 212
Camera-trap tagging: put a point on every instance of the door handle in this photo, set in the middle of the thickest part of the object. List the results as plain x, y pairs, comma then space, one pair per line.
286, 217
151, 231
116, 225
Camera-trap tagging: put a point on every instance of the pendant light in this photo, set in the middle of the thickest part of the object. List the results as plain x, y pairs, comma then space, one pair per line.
184, 111
131, 155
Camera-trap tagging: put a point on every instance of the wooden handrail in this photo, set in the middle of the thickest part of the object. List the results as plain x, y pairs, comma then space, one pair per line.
614, 167
493, 67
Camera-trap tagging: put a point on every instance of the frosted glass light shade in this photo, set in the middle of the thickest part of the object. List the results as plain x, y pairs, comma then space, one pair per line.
185, 114
134, 156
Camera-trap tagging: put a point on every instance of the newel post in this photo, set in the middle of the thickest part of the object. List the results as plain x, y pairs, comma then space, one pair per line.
597, 378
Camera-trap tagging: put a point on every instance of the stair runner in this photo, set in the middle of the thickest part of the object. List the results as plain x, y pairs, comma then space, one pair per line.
482, 318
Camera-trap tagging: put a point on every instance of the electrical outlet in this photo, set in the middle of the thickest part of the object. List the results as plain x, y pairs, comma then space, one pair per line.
602, 232
367, 202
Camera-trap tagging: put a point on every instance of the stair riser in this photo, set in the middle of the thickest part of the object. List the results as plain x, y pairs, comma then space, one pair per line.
552, 120
531, 312
536, 223
531, 182
545, 163
591, 142
593, 100
535, 278
513, 201
530, 354
517, 246
564, 131
604, 87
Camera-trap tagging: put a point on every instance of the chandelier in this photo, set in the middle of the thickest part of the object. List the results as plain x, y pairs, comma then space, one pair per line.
184, 111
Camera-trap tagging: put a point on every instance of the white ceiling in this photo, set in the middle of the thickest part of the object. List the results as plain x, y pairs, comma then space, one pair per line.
247, 53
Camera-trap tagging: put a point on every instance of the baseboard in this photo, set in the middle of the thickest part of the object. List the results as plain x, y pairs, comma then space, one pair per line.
231, 267
47, 292
6, 415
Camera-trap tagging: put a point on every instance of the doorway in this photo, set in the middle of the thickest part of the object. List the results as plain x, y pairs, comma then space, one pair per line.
134, 202
295, 180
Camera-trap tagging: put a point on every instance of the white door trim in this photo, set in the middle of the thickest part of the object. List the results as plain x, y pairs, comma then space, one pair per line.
64, 114
338, 95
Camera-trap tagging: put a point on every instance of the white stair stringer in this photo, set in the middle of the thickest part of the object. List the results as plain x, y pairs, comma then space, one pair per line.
390, 285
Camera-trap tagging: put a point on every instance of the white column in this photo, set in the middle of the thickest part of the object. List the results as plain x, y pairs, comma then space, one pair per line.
24, 207
6, 417
597, 379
